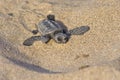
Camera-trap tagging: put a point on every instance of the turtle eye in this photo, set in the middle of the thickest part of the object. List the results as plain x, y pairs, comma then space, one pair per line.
59, 39
66, 39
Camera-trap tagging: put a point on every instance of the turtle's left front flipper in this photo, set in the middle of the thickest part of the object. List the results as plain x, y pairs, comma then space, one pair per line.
79, 30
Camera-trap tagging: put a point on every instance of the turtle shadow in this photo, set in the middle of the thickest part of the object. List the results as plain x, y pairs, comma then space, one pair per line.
62, 25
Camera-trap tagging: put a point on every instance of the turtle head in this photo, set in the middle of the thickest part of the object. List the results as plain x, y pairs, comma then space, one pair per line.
61, 38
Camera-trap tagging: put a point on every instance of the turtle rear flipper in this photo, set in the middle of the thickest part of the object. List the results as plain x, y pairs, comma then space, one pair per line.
79, 30
31, 40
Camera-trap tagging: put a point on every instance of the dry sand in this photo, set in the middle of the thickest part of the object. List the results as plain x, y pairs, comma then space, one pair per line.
92, 56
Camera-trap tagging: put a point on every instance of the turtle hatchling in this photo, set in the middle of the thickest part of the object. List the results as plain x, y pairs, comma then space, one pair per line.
50, 28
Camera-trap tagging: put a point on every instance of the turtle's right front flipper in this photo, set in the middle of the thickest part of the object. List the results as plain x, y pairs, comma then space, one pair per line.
31, 40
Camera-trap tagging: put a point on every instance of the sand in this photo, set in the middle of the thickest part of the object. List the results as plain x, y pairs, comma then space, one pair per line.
92, 56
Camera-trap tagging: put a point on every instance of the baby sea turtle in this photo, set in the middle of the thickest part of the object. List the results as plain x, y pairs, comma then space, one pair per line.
53, 29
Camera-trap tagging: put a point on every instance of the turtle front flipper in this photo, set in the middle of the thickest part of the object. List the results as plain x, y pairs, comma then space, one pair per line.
31, 40
79, 30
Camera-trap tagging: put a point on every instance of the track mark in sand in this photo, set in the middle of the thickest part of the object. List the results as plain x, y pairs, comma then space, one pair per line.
12, 53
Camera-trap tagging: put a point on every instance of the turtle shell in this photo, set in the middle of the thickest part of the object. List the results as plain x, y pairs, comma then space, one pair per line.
48, 27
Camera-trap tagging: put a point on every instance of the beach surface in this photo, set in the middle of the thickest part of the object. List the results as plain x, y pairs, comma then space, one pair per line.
94, 55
